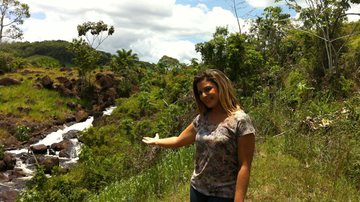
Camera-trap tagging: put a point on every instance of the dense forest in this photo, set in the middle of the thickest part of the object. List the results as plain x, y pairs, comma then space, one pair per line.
299, 83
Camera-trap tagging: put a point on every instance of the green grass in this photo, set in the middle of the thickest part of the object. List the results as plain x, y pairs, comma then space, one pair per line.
280, 177
159, 182
276, 176
43, 104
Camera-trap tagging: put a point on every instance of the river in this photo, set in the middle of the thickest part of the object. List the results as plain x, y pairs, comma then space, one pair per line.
26, 168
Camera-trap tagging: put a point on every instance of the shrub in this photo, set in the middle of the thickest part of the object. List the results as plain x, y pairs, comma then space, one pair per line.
297, 89
22, 133
43, 61
9, 62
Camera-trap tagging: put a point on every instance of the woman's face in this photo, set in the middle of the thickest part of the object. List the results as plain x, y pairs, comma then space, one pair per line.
208, 93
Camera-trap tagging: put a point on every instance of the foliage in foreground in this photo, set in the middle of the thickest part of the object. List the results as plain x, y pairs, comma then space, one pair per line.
307, 121
153, 109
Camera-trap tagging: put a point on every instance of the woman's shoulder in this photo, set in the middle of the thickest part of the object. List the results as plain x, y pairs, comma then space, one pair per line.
244, 123
240, 114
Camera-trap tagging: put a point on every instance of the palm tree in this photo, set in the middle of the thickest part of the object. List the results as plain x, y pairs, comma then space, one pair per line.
124, 60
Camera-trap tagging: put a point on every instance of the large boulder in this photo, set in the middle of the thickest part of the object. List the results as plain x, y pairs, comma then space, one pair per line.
66, 153
69, 118
8, 163
2, 166
49, 162
63, 69
65, 144
9, 81
81, 116
16, 173
64, 91
47, 82
111, 95
105, 80
25, 110
39, 149
65, 82
71, 134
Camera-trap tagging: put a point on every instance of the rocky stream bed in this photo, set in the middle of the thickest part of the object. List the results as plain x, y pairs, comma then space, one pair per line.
59, 148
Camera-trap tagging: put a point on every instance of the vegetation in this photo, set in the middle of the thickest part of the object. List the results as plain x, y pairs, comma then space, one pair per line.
42, 104
86, 56
304, 104
12, 14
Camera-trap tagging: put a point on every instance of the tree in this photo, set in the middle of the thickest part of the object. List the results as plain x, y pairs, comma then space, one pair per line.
123, 61
324, 19
213, 51
86, 55
126, 58
12, 14
239, 6
168, 63
233, 55
94, 32
269, 30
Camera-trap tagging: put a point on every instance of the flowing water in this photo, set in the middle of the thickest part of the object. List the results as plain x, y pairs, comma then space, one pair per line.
26, 169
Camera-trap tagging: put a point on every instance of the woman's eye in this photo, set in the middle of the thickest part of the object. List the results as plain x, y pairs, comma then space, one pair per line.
207, 89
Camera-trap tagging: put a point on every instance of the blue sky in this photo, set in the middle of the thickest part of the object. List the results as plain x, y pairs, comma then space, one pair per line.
149, 28
246, 10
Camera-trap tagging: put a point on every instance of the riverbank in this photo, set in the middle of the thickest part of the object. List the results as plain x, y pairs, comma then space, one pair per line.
37, 101
60, 148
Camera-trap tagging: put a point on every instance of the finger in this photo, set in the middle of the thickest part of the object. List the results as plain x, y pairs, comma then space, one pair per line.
147, 138
146, 141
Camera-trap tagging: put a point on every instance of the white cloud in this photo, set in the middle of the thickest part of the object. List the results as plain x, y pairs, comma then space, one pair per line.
150, 28
354, 9
261, 3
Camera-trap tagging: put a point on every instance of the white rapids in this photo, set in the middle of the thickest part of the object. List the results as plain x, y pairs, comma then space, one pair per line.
56, 137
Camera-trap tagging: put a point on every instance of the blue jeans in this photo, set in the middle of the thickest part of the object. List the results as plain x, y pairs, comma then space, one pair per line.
196, 196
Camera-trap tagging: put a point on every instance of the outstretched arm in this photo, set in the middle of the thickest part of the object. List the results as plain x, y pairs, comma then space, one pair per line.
186, 137
246, 148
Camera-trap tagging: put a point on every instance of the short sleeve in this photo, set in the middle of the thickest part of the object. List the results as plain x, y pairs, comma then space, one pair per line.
195, 122
244, 125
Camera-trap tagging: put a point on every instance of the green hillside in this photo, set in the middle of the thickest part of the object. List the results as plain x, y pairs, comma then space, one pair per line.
303, 98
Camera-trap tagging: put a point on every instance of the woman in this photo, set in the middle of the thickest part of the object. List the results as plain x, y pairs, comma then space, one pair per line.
224, 140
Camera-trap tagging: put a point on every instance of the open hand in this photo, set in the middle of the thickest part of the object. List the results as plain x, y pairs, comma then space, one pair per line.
151, 140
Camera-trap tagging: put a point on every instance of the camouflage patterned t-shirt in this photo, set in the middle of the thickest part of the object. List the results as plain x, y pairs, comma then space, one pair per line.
216, 159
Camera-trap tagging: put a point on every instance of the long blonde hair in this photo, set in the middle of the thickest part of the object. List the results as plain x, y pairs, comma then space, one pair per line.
226, 91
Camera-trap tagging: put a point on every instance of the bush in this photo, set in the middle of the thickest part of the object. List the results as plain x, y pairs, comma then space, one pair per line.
22, 133
43, 61
9, 62
297, 89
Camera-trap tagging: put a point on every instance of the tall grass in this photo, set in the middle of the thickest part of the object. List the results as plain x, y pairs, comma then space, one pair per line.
155, 183
277, 176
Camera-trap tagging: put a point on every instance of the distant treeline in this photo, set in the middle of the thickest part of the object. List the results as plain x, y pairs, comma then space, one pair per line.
57, 49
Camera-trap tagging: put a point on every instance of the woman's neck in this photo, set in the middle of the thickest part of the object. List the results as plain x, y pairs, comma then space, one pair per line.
216, 115
217, 110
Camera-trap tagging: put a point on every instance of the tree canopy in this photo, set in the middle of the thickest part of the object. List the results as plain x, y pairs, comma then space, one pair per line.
12, 14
